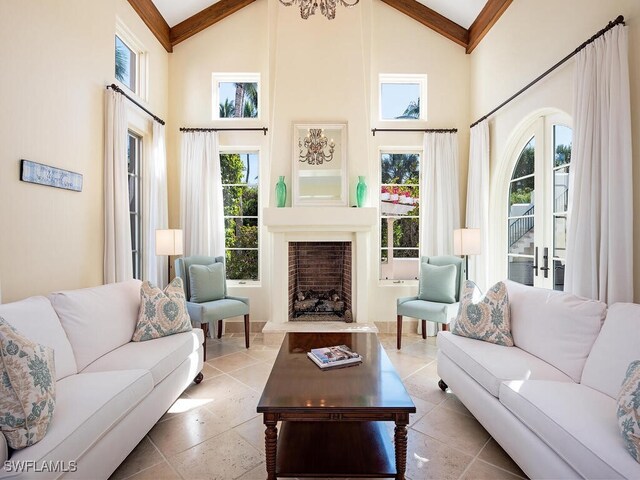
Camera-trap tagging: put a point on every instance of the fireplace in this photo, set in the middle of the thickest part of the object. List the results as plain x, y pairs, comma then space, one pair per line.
320, 281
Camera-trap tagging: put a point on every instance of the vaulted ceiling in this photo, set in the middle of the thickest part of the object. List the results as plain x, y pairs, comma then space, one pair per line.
465, 22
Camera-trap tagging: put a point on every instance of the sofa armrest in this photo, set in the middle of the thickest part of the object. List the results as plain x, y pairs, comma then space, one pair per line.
4, 449
244, 300
402, 300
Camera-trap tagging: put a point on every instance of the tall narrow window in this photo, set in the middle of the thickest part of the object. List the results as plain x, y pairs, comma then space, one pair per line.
131, 61
134, 156
240, 182
126, 65
399, 215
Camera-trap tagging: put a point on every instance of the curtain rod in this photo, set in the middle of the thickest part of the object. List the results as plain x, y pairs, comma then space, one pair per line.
619, 20
259, 129
116, 88
430, 130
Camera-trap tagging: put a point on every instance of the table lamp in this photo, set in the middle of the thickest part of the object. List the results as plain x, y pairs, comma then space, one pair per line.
169, 242
466, 241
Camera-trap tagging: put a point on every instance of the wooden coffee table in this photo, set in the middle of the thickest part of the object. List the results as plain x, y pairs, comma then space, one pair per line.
332, 419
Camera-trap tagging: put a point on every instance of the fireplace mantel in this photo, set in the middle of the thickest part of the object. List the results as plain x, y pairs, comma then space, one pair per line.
325, 219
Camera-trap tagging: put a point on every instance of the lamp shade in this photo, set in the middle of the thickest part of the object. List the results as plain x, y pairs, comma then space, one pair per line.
169, 242
466, 241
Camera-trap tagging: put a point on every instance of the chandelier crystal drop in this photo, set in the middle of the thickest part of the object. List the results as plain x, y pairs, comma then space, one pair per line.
327, 7
314, 144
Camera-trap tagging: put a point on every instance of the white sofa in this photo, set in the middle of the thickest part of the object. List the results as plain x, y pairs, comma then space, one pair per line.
550, 401
109, 391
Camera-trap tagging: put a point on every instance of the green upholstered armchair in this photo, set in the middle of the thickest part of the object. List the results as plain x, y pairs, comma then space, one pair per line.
216, 310
432, 311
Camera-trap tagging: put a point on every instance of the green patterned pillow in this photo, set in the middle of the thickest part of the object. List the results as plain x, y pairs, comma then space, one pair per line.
27, 388
484, 317
161, 313
629, 410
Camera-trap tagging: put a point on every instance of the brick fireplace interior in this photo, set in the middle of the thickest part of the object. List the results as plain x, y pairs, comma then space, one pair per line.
319, 281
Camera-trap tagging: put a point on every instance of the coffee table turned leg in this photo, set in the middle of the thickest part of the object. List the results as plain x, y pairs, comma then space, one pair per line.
271, 445
400, 441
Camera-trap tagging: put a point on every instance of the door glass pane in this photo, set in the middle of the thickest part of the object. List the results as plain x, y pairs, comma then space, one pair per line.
558, 275
521, 235
526, 161
561, 189
560, 236
521, 270
521, 197
562, 138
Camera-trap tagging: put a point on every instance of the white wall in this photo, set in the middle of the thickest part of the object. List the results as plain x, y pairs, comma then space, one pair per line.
529, 38
58, 55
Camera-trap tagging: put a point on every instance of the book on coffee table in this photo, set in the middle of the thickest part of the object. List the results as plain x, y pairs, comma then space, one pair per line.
336, 356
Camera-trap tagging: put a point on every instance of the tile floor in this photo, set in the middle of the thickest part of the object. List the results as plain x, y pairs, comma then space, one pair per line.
214, 432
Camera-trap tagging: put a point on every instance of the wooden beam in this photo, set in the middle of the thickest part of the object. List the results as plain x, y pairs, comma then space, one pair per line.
431, 19
205, 19
152, 17
485, 20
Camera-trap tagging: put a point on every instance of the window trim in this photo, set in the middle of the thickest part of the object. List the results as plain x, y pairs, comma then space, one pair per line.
137, 212
398, 78
220, 77
141, 87
223, 149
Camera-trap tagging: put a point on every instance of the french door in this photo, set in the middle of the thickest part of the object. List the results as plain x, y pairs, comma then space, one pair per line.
537, 204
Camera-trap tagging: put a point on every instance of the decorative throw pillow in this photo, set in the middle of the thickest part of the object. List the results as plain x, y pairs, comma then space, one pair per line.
438, 284
161, 313
485, 317
206, 282
27, 388
629, 410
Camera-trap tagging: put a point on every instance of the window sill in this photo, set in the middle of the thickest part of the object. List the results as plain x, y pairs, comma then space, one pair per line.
244, 283
397, 283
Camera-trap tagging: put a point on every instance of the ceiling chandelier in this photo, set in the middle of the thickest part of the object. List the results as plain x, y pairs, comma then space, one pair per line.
327, 7
315, 143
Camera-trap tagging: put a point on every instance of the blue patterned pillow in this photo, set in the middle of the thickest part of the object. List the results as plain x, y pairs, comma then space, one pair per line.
484, 317
629, 410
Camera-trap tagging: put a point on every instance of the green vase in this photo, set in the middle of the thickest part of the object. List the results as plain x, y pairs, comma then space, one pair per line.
361, 192
281, 192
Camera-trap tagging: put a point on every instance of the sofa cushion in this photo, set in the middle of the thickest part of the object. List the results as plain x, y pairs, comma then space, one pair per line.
629, 410
484, 317
557, 327
27, 388
576, 421
36, 319
490, 364
98, 320
162, 313
615, 348
88, 406
160, 356
437, 283
207, 282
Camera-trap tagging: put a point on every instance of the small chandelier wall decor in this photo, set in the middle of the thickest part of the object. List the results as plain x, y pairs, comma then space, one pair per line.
315, 143
327, 7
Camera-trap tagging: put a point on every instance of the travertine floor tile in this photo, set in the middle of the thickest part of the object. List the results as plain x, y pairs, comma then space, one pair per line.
454, 429
430, 459
258, 473
224, 457
480, 470
404, 363
267, 355
253, 432
422, 408
254, 376
218, 348
453, 403
161, 471
494, 454
143, 456
423, 384
235, 409
234, 361
216, 388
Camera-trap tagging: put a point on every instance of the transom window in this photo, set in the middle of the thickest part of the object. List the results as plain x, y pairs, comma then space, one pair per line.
236, 95
403, 97
134, 157
130, 61
240, 186
399, 214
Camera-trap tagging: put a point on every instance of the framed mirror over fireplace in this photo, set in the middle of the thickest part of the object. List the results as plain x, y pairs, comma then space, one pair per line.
320, 164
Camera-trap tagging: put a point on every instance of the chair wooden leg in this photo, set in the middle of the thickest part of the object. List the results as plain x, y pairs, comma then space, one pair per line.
399, 341
205, 330
424, 329
445, 327
246, 330
219, 328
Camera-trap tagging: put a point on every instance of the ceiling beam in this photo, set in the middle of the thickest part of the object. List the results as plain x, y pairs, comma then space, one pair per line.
485, 20
205, 19
150, 15
432, 19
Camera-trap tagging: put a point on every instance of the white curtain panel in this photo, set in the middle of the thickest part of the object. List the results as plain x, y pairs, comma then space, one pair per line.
478, 201
600, 233
440, 206
202, 212
118, 265
154, 207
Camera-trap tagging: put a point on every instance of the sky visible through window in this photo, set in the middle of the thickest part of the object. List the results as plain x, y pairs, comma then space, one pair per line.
396, 97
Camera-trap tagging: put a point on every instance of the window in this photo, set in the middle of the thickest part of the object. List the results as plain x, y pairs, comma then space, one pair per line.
236, 95
130, 61
240, 181
538, 201
399, 214
403, 97
134, 157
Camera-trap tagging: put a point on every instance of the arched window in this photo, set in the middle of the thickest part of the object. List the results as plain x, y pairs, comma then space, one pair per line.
537, 204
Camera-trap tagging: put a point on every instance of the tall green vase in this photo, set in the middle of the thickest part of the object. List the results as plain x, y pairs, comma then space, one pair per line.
281, 192
361, 192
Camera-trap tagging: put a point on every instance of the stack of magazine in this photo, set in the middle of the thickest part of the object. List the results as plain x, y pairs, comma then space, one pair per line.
333, 357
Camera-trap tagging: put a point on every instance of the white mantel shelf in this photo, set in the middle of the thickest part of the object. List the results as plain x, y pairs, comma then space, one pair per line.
336, 219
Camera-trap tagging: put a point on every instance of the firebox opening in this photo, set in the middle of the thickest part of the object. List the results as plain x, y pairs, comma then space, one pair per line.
320, 281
